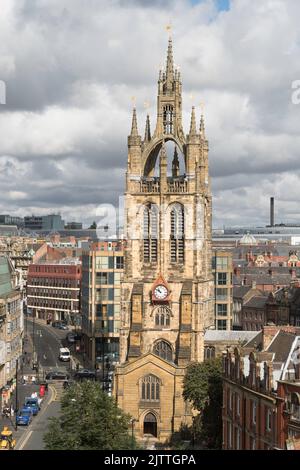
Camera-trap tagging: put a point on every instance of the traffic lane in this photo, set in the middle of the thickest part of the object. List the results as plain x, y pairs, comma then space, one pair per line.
34, 439
35, 431
24, 391
47, 343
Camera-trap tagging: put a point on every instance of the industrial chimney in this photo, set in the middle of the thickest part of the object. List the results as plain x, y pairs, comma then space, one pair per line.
272, 212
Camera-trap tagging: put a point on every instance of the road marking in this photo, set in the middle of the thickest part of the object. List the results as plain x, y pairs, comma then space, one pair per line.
25, 440
28, 433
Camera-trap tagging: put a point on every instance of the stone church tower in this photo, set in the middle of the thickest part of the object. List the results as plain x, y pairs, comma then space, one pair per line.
167, 290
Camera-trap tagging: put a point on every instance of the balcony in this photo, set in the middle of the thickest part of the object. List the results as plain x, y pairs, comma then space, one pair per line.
174, 185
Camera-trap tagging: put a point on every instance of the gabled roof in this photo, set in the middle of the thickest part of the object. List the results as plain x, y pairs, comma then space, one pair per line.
256, 302
281, 346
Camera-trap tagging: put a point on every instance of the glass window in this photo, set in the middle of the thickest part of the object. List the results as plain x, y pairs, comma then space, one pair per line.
101, 278
111, 262
101, 262
222, 324
163, 350
117, 294
117, 279
150, 388
222, 309
117, 309
119, 262
222, 279
221, 293
111, 278
222, 262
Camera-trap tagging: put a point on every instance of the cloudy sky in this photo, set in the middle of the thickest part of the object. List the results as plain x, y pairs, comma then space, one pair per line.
71, 68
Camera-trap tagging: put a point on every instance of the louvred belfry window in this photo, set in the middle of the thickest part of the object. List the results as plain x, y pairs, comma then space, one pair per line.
177, 234
150, 233
168, 119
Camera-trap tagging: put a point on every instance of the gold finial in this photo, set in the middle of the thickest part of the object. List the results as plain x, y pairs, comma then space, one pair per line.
191, 96
133, 100
202, 107
146, 104
169, 28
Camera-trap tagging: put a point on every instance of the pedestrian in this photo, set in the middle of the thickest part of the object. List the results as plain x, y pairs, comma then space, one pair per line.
12, 411
33, 379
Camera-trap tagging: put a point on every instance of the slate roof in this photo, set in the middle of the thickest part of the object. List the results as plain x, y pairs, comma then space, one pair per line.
229, 335
281, 346
240, 291
256, 302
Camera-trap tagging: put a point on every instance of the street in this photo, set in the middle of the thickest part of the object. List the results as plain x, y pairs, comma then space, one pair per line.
45, 341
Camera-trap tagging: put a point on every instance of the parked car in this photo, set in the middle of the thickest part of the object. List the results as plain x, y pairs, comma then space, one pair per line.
71, 338
57, 375
24, 417
33, 404
85, 374
60, 324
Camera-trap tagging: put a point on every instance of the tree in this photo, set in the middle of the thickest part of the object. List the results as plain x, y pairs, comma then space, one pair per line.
203, 388
89, 420
93, 226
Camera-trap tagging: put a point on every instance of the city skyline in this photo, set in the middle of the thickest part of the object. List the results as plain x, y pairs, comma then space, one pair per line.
65, 122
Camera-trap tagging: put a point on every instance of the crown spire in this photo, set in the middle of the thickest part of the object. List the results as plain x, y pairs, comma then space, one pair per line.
202, 127
134, 128
175, 164
193, 129
170, 64
147, 130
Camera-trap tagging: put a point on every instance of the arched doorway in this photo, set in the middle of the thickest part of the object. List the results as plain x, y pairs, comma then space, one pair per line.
150, 424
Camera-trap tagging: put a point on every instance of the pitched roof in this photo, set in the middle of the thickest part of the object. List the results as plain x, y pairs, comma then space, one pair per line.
240, 291
256, 302
281, 346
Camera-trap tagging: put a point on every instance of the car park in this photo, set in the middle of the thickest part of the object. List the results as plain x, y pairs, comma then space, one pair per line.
24, 416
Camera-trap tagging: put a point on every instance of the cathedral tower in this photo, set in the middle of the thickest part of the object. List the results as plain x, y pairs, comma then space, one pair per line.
167, 290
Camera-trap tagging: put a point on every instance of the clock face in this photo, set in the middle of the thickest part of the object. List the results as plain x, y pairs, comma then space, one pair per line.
161, 292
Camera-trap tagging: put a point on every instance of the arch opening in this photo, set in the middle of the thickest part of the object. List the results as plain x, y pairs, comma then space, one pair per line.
151, 169
150, 424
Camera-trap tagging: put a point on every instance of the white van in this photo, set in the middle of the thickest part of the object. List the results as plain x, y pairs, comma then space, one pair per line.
64, 354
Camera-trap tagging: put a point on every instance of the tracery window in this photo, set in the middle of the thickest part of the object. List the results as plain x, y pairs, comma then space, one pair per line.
150, 388
163, 350
162, 316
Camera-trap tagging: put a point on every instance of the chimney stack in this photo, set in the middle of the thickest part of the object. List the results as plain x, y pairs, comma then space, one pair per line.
272, 212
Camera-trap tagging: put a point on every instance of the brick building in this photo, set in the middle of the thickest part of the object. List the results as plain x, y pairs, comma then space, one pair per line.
260, 384
53, 289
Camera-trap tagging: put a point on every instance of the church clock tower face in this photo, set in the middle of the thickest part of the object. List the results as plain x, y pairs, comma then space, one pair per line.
160, 292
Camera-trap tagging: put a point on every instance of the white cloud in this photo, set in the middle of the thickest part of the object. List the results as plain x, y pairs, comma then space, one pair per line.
71, 72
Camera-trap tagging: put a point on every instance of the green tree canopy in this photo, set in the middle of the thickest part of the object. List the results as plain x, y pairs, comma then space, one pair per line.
203, 388
93, 226
89, 420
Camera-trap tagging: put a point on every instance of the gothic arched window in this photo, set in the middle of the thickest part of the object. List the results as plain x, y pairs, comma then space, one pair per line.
168, 119
163, 350
150, 232
162, 316
150, 388
209, 352
177, 234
